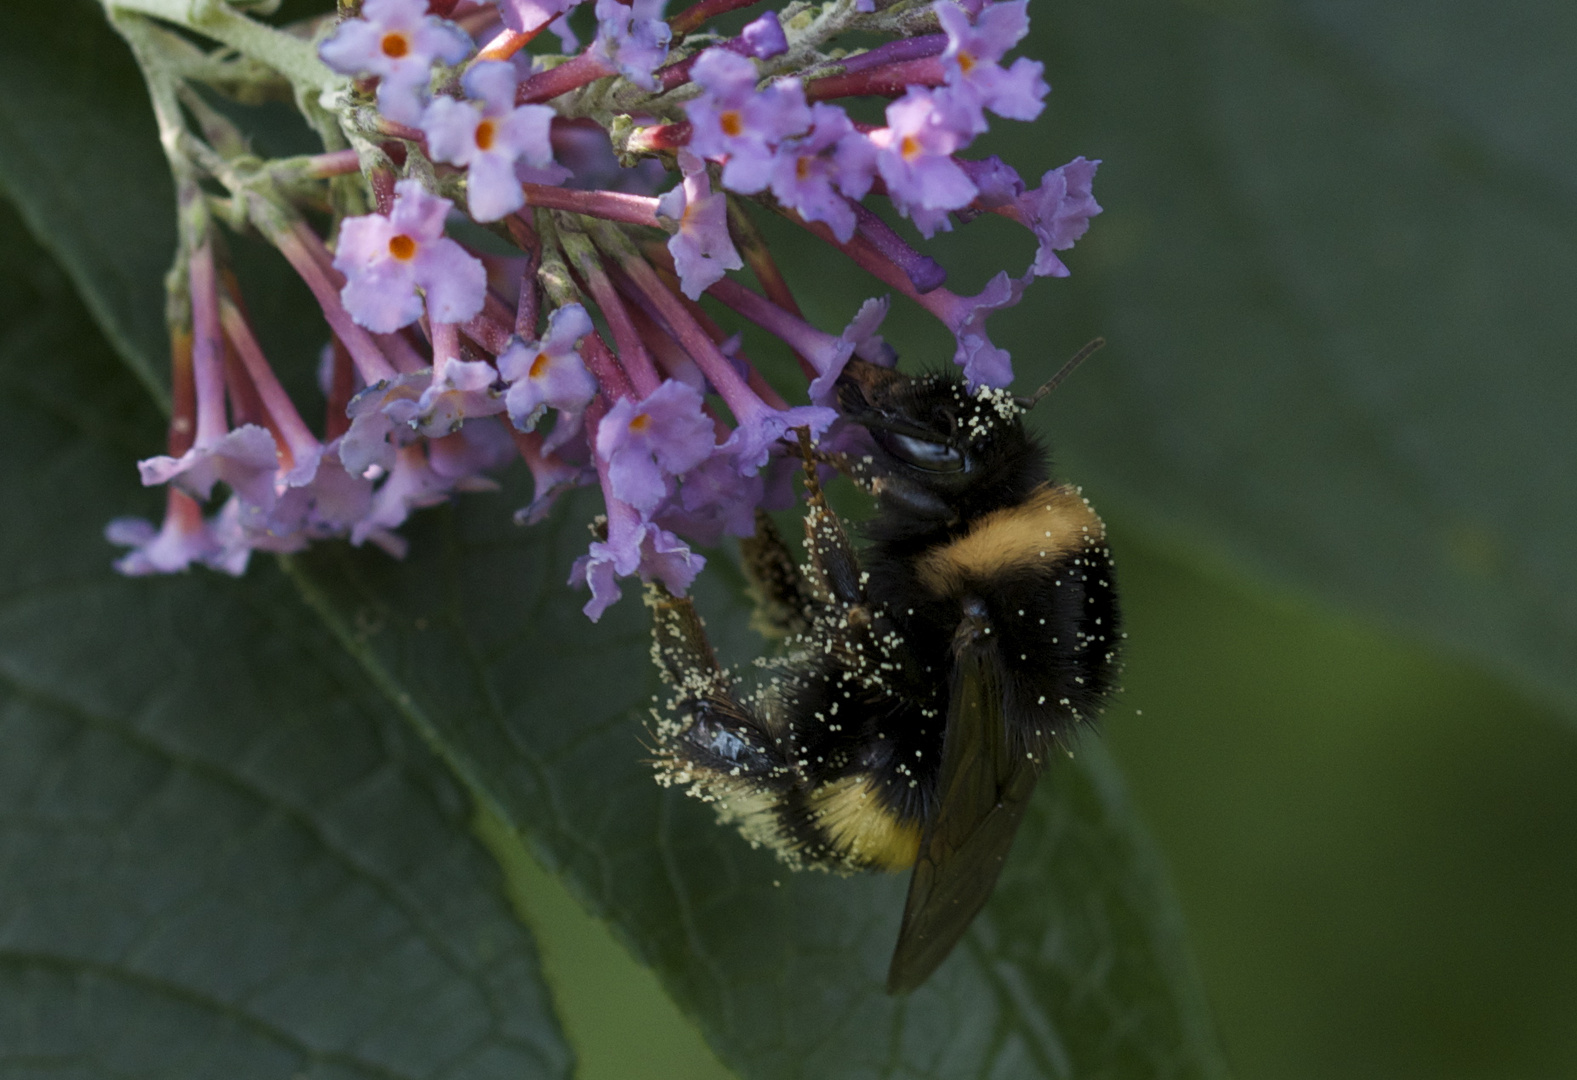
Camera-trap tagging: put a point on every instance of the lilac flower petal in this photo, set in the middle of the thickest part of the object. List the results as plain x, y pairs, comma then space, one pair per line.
170, 549
634, 546
464, 457
715, 500
915, 154
385, 260
634, 38
765, 36
492, 189
985, 364
645, 443
550, 374
528, 15
734, 121
410, 485
246, 459
1059, 212
397, 41
455, 282
464, 391
752, 442
375, 432
382, 299
702, 249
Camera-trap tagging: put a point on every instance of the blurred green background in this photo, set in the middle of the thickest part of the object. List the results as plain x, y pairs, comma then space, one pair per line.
1332, 437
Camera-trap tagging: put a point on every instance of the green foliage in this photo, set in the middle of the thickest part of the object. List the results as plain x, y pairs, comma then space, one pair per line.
238, 818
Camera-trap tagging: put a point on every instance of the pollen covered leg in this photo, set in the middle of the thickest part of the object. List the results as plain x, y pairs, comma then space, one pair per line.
784, 599
827, 545
708, 740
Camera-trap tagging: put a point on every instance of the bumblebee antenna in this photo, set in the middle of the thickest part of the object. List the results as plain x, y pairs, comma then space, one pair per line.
1055, 381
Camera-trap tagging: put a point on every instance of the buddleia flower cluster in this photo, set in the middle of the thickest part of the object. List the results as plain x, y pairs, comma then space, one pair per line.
627, 176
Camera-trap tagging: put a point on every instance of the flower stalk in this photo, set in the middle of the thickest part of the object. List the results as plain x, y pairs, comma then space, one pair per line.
604, 350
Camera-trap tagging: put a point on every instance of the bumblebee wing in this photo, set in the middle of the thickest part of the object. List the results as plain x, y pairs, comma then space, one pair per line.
982, 794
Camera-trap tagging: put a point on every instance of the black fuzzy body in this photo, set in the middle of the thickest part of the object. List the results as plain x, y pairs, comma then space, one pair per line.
861, 696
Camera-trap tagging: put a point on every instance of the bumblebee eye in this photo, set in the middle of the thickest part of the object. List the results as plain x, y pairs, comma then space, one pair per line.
923, 453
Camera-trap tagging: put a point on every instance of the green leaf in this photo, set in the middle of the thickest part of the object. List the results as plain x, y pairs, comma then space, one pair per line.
1076, 968
83, 164
215, 861
1336, 269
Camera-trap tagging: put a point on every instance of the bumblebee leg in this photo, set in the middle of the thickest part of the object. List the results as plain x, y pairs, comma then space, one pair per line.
710, 739
783, 598
827, 545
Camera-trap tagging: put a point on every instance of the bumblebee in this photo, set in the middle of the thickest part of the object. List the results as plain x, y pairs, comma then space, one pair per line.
925, 675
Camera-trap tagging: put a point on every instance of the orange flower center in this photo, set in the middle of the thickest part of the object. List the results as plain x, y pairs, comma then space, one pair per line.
539, 366
802, 168
731, 122
909, 147
641, 422
965, 62
402, 247
484, 135
395, 45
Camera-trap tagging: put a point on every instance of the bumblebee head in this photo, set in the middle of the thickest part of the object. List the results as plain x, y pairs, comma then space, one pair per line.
965, 451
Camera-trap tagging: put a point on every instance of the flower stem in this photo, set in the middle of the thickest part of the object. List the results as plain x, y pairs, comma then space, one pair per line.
915, 48
301, 246
611, 205
207, 347
922, 270
586, 68
696, 14
753, 248
626, 339
507, 43
281, 410
695, 340
889, 80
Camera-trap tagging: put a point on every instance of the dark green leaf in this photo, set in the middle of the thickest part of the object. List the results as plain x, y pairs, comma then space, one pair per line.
216, 863
1076, 968
83, 164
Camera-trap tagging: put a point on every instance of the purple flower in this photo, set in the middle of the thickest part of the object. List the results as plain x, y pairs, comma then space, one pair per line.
984, 364
714, 500
460, 389
488, 137
550, 374
411, 484
999, 183
1059, 212
809, 172
385, 261
860, 339
379, 422
645, 443
765, 37
247, 459
183, 539
760, 429
732, 120
633, 38
915, 156
975, 78
529, 15
633, 546
397, 41
551, 476
329, 505
464, 457
702, 249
